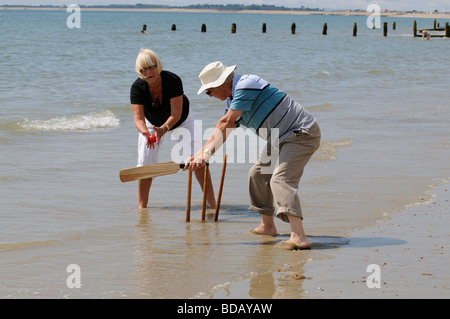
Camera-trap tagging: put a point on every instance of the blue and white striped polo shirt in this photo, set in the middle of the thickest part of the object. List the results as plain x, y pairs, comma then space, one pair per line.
267, 107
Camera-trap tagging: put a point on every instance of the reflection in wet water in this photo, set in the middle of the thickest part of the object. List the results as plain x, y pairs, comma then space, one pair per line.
175, 259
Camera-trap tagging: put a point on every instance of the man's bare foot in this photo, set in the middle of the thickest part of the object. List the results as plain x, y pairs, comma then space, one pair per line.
298, 239
295, 243
291, 246
267, 227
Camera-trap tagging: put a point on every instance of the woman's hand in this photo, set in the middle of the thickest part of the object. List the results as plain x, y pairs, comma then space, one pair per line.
151, 139
160, 131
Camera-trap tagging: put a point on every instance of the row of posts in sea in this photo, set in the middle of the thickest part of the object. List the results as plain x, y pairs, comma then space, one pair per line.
436, 27
446, 29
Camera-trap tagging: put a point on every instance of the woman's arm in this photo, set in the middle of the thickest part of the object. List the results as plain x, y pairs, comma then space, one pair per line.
139, 121
176, 109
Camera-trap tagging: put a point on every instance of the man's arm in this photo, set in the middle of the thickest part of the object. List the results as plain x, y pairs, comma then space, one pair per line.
223, 127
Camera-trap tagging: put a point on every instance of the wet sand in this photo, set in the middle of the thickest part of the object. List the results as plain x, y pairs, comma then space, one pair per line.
412, 250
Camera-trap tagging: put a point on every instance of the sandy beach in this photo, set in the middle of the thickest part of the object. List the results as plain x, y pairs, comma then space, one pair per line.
411, 249
393, 14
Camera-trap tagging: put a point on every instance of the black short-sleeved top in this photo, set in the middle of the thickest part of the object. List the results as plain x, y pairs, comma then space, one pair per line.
171, 87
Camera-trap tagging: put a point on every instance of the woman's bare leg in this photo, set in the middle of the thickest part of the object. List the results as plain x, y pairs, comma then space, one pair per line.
143, 192
210, 199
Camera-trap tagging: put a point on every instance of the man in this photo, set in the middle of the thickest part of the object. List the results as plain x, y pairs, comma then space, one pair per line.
256, 104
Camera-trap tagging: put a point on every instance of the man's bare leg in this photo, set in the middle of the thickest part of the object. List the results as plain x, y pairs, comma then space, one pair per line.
298, 239
267, 226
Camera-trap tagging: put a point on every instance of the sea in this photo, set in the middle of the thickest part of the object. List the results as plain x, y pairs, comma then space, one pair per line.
69, 228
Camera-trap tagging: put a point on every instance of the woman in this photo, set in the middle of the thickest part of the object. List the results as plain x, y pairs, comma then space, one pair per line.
159, 105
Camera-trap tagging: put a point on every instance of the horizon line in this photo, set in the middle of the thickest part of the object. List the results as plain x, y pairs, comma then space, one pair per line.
218, 7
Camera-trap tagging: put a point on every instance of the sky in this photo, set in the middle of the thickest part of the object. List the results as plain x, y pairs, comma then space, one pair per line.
419, 5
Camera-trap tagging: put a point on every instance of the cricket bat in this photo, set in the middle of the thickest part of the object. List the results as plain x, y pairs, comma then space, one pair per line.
149, 171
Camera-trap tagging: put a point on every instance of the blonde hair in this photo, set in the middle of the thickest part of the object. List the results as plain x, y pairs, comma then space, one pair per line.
145, 59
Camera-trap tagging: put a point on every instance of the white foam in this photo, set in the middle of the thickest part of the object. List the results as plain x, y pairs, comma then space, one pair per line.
327, 150
92, 121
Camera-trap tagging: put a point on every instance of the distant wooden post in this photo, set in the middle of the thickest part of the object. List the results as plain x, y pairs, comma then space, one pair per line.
415, 28
293, 27
174, 27
325, 28
434, 24
233, 28
385, 29
447, 30
264, 28
355, 29
394, 25
203, 27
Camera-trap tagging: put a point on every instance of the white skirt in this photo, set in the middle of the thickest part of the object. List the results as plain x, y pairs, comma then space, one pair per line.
187, 143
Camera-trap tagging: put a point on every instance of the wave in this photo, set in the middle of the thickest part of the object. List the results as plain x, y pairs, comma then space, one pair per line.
327, 150
381, 72
322, 75
24, 245
81, 122
322, 107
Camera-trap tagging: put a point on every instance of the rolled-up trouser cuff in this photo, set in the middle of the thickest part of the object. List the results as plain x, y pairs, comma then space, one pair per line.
263, 211
282, 213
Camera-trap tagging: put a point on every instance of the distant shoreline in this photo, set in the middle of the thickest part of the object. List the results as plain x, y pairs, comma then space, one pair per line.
395, 14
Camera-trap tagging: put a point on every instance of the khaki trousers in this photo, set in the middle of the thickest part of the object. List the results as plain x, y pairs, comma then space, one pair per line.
280, 183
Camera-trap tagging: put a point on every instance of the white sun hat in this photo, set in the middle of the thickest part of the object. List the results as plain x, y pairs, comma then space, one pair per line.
214, 75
